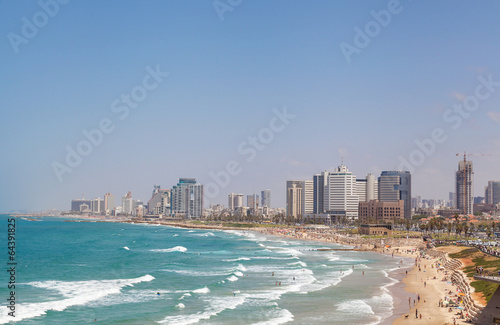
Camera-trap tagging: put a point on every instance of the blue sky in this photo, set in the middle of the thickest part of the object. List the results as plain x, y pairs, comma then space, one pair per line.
225, 77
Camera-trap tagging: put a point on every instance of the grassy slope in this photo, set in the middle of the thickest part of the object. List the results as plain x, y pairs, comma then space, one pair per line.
478, 258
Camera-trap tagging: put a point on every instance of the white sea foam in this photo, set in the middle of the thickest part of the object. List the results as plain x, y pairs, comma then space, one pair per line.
168, 250
289, 251
298, 263
207, 234
238, 259
355, 260
197, 273
130, 297
75, 293
202, 290
382, 304
283, 250
185, 295
175, 235
125, 247
280, 316
274, 258
180, 306
216, 306
328, 280
356, 306
232, 278
249, 235
241, 267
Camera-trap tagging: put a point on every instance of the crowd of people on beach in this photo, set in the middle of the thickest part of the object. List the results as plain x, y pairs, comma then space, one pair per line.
332, 235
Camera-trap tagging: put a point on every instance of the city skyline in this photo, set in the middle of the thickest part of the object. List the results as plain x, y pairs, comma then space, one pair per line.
244, 99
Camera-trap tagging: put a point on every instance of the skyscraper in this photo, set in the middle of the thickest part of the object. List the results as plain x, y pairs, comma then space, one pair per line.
307, 198
265, 197
492, 193
128, 204
187, 198
234, 201
253, 203
319, 182
395, 185
299, 198
464, 187
109, 203
79, 205
159, 204
293, 198
97, 205
367, 189
340, 193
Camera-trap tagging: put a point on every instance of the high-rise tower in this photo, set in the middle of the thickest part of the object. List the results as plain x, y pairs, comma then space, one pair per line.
464, 187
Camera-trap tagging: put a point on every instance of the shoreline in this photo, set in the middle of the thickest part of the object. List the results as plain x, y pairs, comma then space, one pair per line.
408, 283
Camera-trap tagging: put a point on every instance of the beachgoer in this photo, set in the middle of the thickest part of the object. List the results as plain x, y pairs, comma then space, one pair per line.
416, 313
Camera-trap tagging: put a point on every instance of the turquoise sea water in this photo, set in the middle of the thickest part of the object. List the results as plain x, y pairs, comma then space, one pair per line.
111, 273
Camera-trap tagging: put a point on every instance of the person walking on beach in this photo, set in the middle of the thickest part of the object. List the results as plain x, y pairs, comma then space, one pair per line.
416, 313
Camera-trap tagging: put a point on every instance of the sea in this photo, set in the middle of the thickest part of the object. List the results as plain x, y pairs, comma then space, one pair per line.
69, 272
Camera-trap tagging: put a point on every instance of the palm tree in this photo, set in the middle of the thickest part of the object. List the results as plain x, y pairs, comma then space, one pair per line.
488, 231
466, 228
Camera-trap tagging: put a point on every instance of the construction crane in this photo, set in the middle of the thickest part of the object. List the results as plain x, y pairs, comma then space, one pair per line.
464, 202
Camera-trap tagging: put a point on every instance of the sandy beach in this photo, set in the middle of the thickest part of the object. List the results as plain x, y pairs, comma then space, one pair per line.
425, 280
418, 297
